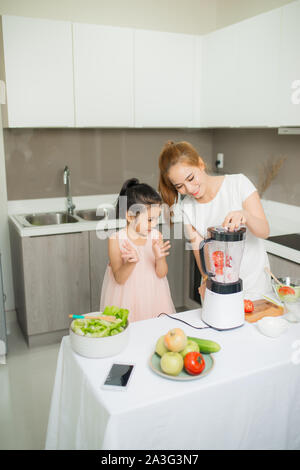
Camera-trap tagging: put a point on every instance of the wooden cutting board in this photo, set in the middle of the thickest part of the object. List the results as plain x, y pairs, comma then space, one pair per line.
263, 308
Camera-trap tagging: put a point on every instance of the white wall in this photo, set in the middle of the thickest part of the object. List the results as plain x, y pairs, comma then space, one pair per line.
233, 11
182, 16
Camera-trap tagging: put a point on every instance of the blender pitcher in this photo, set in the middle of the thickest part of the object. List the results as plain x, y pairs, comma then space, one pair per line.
220, 257
224, 254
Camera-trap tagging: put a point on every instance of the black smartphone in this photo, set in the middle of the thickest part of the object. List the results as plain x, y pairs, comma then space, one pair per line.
118, 377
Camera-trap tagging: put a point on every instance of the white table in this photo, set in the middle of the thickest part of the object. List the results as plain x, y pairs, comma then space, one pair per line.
250, 400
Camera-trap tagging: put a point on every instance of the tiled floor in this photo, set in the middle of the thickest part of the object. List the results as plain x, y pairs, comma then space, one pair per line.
26, 382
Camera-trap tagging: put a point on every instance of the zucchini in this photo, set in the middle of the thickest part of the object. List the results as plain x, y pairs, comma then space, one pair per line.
206, 346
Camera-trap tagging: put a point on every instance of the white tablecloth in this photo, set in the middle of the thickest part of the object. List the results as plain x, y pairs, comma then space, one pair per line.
250, 400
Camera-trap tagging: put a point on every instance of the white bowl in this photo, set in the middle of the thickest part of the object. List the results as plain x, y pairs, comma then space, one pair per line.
99, 347
272, 326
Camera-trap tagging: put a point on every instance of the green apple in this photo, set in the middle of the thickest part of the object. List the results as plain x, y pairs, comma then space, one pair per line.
191, 346
160, 347
171, 363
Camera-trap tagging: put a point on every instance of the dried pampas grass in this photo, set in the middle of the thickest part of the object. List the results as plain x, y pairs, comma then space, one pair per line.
268, 172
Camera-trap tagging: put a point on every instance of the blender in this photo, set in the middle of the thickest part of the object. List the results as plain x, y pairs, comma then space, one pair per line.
220, 257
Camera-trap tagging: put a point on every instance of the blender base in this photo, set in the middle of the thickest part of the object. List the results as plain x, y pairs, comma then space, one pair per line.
223, 311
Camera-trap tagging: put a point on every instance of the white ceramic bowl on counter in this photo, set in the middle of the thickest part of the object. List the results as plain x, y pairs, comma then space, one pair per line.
272, 326
99, 347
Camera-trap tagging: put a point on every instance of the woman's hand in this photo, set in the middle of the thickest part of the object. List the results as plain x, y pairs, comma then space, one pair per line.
252, 215
160, 248
202, 289
128, 253
234, 220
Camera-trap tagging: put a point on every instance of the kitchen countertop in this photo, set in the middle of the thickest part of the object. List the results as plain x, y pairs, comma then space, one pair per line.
283, 219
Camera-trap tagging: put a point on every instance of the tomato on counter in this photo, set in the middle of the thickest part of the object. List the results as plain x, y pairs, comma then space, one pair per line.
194, 363
248, 306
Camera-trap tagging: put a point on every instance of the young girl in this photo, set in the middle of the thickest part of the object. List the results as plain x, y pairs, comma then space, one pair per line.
136, 275
228, 200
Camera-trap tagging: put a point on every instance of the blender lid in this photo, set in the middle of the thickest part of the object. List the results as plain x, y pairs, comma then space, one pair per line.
222, 234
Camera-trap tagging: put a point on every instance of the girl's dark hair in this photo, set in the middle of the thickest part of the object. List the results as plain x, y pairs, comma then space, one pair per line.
138, 195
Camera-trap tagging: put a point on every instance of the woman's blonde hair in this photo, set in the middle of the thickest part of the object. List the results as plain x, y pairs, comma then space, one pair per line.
171, 154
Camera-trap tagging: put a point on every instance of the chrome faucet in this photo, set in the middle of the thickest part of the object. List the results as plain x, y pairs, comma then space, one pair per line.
70, 205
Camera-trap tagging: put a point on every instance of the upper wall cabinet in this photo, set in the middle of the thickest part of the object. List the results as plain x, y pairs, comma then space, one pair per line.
103, 76
219, 84
39, 72
165, 84
240, 73
289, 91
60, 74
197, 81
257, 74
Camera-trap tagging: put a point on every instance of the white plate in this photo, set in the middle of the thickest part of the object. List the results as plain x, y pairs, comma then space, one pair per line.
154, 363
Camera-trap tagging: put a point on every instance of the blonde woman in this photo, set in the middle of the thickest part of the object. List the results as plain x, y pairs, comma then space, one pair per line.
227, 200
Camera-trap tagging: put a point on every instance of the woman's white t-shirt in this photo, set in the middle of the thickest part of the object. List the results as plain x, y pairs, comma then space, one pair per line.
234, 190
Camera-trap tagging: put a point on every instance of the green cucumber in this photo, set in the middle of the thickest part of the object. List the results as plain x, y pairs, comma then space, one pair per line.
206, 346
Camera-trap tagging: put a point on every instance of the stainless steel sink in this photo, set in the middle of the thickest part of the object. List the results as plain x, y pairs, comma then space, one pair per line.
94, 214
60, 217
50, 218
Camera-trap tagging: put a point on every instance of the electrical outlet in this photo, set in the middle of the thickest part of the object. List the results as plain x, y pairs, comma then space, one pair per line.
220, 160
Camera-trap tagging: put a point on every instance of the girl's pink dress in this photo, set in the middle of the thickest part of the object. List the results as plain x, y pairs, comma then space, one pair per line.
144, 294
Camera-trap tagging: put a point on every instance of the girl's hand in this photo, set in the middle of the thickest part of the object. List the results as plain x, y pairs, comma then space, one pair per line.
160, 248
128, 253
234, 219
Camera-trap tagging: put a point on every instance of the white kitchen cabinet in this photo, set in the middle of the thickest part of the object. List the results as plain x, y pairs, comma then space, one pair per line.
103, 75
39, 72
219, 84
197, 80
289, 90
257, 74
60, 74
241, 73
165, 79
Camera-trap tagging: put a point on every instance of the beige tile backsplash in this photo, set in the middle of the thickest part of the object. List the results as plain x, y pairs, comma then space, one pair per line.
100, 160
246, 150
